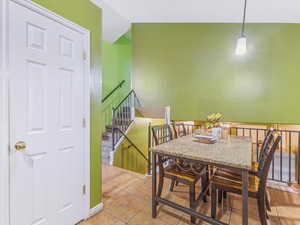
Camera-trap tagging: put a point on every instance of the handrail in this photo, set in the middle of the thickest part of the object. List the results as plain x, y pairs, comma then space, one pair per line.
125, 98
137, 99
132, 144
116, 88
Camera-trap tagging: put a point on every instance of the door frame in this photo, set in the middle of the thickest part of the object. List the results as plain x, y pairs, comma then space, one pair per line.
5, 145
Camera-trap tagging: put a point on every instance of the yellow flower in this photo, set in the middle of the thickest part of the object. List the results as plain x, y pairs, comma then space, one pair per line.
214, 117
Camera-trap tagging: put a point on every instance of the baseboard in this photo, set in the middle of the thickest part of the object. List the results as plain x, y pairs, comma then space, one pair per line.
96, 209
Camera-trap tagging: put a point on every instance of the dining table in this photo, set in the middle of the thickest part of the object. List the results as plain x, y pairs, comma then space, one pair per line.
232, 152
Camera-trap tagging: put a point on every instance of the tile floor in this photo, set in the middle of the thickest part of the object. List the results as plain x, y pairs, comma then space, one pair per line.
127, 201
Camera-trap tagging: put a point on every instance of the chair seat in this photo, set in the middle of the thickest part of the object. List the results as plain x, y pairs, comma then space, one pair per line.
254, 168
232, 180
189, 176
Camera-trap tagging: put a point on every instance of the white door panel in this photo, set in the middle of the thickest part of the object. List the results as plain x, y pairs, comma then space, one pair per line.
46, 110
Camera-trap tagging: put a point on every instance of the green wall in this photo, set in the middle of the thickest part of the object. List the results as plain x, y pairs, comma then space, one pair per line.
84, 13
193, 68
117, 66
117, 63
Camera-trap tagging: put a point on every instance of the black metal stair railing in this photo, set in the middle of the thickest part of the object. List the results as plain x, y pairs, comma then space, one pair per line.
285, 167
123, 116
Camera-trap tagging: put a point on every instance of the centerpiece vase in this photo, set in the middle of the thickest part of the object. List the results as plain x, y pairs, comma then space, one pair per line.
216, 132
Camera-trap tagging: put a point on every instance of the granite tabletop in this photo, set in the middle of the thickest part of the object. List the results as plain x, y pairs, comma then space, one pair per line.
233, 151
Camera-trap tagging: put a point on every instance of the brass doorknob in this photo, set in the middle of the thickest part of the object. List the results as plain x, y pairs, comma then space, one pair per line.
20, 145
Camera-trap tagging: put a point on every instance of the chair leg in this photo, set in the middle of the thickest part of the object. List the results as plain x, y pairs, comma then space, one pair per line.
207, 178
268, 205
213, 201
220, 196
160, 184
192, 200
204, 183
176, 183
262, 210
172, 184
267, 215
224, 194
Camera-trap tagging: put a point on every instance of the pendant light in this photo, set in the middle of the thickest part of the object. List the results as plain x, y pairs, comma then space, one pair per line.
241, 47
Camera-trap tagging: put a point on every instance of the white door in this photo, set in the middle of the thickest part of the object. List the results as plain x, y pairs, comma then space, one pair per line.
46, 68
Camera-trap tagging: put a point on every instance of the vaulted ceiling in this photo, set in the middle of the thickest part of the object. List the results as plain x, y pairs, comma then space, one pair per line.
200, 11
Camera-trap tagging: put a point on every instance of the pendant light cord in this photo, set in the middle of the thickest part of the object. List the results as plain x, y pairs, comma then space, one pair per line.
244, 19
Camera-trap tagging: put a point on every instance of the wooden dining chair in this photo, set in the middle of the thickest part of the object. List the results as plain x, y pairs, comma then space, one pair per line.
255, 165
178, 170
179, 129
261, 148
257, 181
162, 134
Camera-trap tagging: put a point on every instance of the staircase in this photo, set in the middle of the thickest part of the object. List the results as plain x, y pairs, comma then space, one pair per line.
122, 117
107, 145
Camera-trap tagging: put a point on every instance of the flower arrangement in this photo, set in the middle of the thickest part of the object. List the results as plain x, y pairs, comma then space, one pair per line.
213, 120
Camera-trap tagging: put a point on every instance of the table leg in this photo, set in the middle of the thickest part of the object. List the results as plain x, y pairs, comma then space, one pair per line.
154, 203
245, 175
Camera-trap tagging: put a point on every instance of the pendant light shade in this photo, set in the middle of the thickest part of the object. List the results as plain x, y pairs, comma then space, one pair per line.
241, 46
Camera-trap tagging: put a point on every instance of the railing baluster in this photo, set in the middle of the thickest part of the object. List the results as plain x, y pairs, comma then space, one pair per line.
125, 113
290, 158
281, 156
113, 130
119, 125
129, 104
298, 160
121, 122
149, 146
273, 166
257, 145
125, 124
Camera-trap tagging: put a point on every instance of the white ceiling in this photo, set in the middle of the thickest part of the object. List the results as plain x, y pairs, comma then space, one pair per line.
137, 11
197, 11
113, 24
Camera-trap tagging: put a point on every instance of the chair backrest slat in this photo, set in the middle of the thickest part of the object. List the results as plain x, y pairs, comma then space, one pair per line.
179, 130
162, 134
267, 137
266, 159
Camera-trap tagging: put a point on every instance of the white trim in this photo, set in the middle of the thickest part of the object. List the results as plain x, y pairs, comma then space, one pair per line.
4, 104
87, 119
4, 128
98, 208
168, 114
51, 15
